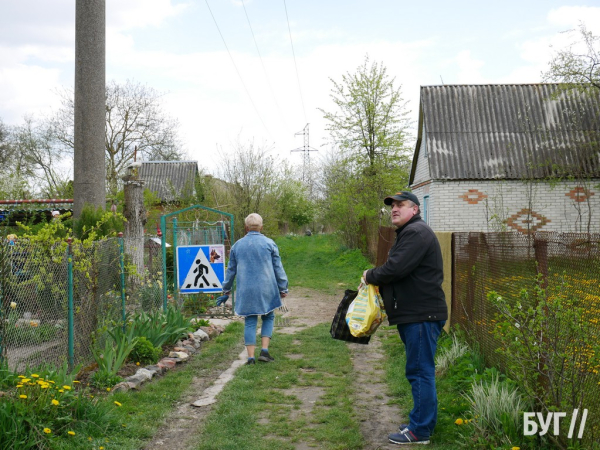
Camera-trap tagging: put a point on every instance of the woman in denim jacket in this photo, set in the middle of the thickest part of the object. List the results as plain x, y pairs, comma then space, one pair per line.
261, 283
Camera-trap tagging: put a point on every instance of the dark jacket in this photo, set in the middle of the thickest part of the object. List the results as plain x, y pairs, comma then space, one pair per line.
410, 281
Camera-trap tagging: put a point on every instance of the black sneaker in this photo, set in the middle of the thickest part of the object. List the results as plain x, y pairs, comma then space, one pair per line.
250, 361
406, 437
265, 357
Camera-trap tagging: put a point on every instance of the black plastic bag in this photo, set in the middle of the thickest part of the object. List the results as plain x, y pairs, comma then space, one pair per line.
339, 327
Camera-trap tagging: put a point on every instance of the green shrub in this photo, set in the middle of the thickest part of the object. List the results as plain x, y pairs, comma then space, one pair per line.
144, 352
111, 357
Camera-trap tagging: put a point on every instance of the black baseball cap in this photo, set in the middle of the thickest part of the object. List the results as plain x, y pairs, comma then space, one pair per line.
400, 196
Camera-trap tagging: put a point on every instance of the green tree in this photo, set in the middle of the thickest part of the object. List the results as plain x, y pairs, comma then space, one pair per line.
371, 117
369, 159
577, 65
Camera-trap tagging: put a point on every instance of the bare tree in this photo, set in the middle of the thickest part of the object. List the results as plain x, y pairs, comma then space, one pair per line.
44, 160
577, 65
250, 174
134, 119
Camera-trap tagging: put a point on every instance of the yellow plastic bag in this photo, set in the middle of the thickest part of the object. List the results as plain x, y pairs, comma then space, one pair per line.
366, 312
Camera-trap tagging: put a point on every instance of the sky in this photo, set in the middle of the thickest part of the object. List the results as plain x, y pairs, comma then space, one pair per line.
260, 70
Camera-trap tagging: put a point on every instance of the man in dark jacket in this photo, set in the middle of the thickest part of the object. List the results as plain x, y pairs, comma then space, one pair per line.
410, 283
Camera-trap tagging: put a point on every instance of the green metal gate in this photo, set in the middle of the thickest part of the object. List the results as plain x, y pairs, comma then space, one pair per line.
195, 230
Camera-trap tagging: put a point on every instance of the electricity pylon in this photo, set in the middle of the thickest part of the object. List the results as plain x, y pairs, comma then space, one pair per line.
306, 149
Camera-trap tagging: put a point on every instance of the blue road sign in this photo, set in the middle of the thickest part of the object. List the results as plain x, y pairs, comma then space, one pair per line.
200, 268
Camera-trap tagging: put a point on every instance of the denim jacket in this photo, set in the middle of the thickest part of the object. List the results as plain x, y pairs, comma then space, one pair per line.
255, 261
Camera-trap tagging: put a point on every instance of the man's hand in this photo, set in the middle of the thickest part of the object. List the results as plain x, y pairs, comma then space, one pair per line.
283, 294
365, 275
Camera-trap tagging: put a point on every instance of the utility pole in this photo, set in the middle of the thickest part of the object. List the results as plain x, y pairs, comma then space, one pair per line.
306, 175
89, 181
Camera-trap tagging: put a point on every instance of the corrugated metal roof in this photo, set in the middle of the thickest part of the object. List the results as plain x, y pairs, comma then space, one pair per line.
510, 131
170, 180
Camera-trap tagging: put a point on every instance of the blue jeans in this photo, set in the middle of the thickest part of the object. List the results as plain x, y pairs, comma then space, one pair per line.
266, 329
420, 341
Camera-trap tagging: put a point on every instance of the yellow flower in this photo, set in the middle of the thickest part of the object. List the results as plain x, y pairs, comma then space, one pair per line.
137, 363
90, 438
107, 389
55, 402
34, 375
516, 448
22, 396
13, 305
61, 390
117, 403
101, 448
459, 421
21, 376
47, 430
26, 380
72, 433
76, 381
68, 388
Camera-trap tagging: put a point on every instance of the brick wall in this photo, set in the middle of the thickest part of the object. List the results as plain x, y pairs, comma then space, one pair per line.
511, 205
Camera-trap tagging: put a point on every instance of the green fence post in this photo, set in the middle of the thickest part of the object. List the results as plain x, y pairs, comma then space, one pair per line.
175, 268
71, 325
163, 244
122, 262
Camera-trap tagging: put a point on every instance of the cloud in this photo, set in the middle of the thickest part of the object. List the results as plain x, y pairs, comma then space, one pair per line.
125, 15
571, 16
469, 68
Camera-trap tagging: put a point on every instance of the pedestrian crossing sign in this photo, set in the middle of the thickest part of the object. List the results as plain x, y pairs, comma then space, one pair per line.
200, 268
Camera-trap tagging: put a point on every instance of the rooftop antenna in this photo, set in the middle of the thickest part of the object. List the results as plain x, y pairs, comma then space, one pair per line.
306, 149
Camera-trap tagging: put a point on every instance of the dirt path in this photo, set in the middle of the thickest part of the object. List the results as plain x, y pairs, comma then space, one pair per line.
306, 308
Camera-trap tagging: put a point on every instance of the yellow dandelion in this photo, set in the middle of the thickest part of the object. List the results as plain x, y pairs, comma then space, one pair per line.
13, 305
68, 388
61, 390
21, 376
71, 433
55, 402
137, 363
34, 375
459, 421
101, 448
516, 448
22, 396
77, 382
117, 403
26, 380
107, 389
47, 430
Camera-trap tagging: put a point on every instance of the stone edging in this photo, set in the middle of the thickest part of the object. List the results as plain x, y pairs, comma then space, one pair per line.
182, 352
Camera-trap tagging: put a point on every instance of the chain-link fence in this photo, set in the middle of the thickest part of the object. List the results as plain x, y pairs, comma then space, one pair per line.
55, 298
524, 270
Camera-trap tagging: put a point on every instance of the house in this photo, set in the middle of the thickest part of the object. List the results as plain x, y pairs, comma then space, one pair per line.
519, 157
169, 180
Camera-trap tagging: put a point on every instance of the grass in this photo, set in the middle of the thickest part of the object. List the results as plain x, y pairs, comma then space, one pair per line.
262, 408
141, 412
321, 262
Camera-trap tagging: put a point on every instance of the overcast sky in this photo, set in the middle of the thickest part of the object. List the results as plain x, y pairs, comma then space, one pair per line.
175, 47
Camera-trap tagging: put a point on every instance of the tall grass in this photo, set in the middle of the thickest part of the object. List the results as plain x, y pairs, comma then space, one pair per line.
321, 262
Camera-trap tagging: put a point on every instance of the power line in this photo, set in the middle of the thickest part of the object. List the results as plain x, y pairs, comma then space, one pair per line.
263, 66
295, 64
236, 69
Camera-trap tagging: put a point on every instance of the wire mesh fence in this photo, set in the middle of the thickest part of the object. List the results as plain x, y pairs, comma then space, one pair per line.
41, 324
527, 271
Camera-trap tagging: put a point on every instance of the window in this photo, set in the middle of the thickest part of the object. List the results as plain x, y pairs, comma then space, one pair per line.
426, 209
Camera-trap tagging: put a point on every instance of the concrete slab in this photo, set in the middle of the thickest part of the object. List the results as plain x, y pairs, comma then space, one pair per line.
210, 393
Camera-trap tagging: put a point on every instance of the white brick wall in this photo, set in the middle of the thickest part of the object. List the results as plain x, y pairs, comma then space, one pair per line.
504, 205
422, 170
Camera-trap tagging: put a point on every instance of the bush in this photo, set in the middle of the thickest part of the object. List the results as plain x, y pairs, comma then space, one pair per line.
144, 352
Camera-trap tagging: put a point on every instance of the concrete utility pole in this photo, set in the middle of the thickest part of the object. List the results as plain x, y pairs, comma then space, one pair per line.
89, 182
